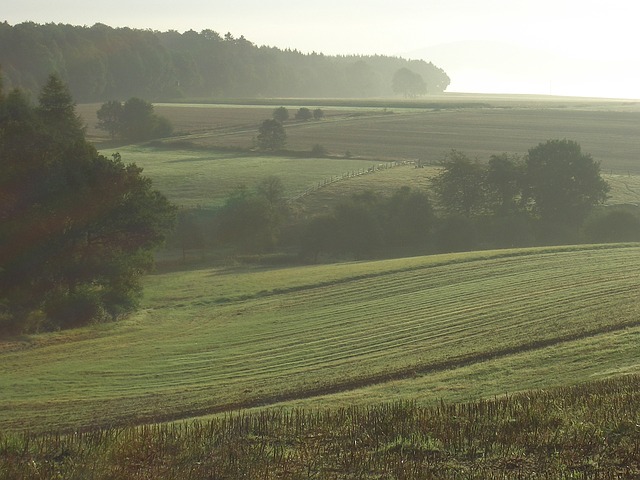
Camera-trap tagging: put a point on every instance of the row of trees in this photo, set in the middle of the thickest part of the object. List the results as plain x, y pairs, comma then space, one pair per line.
370, 224
549, 196
281, 114
101, 63
77, 229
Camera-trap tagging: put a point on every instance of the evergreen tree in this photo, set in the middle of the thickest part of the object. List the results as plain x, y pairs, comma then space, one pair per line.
58, 112
76, 228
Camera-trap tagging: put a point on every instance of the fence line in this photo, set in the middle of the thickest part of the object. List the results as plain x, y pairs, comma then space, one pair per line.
346, 175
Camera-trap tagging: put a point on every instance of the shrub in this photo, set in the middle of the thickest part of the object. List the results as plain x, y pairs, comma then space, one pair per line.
613, 226
75, 309
319, 151
304, 114
281, 114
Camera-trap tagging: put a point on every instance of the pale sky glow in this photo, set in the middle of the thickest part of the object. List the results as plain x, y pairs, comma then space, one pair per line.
562, 47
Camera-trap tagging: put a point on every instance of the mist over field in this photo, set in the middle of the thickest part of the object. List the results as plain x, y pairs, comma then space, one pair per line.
502, 67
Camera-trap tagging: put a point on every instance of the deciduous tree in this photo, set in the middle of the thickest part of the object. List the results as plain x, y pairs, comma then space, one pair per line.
460, 185
133, 121
271, 135
304, 114
110, 118
563, 182
504, 183
250, 220
281, 114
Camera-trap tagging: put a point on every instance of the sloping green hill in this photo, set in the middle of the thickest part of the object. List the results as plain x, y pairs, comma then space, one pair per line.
211, 340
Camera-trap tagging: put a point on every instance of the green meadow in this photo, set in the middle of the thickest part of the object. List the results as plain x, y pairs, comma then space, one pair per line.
202, 178
192, 177
450, 327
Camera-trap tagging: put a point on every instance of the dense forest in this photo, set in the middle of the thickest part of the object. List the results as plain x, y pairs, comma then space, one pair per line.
102, 63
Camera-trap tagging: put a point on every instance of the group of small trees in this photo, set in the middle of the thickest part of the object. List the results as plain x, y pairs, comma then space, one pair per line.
133, 121
544, 197
76, 228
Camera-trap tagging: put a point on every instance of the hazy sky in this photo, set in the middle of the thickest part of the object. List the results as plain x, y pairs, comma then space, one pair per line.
580, 47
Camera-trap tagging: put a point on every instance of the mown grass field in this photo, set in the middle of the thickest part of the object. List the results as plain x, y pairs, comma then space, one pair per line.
451, 327
201, 178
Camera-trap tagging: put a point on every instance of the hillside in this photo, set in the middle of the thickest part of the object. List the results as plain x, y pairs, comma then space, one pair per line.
453, 327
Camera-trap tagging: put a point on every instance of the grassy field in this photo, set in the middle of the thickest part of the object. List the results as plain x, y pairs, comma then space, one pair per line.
203, 178
451, 327
425, 130
193, 177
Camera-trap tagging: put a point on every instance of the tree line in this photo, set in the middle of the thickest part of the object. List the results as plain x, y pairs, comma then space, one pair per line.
549, 196
101, 63
77, 229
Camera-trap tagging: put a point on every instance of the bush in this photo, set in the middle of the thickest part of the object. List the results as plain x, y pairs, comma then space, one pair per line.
304, 114
456, 234
506, 231
281, 114
613, 226
75, 309
319, 151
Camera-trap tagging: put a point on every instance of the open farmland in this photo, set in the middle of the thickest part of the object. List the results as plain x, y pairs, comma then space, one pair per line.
212, 340
201, 178
423, 130
460, 366
192, 170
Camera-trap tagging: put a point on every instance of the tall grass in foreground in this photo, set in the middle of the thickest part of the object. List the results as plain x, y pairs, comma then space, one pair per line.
586, 431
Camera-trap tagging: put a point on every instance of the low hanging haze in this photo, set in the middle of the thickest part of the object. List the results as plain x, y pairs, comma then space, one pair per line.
556, 47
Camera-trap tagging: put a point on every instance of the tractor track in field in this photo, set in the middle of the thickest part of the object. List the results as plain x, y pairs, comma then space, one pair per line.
379, 379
